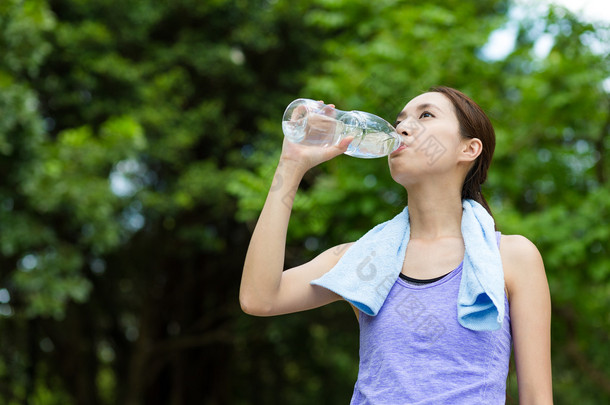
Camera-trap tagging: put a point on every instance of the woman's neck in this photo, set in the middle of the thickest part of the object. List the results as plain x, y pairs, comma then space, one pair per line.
435, 214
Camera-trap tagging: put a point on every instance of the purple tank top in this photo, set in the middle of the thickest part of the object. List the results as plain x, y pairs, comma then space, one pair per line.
415, 351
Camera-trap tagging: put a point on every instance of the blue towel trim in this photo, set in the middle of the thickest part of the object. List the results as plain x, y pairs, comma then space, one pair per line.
369, 268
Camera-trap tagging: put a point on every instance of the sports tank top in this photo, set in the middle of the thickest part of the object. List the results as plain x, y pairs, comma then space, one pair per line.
415, 351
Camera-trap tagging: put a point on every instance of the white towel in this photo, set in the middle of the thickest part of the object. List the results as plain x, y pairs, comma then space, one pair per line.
368, 270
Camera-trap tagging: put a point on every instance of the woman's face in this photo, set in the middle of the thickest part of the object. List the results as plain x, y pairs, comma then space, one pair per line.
432, 144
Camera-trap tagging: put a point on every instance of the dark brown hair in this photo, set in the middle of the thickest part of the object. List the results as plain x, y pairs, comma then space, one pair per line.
474, 123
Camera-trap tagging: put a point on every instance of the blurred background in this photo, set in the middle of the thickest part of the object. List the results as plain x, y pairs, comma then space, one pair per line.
138, 140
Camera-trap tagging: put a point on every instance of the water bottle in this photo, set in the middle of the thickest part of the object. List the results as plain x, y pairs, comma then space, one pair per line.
310, 122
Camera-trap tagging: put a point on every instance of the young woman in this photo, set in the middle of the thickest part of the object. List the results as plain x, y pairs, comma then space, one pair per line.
454, 365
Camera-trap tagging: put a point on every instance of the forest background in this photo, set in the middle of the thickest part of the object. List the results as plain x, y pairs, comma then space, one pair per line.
138, 140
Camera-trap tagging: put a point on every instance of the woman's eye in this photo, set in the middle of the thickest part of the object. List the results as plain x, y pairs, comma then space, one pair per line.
426, 114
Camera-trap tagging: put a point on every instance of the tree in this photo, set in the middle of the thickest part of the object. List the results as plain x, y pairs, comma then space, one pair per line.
124, 266
137, 143
549, 176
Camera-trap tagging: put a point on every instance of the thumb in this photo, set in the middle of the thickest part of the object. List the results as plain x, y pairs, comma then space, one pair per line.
336, 150
341, 147
345, 143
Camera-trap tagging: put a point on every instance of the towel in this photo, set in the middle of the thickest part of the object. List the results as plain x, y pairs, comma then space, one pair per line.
368, 270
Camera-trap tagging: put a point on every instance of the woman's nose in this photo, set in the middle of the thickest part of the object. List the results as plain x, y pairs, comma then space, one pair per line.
409, 127
405, 127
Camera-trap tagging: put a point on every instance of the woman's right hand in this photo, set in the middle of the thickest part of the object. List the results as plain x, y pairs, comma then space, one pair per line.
304, 157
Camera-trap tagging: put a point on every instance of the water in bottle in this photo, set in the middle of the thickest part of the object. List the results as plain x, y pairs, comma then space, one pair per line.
313, 123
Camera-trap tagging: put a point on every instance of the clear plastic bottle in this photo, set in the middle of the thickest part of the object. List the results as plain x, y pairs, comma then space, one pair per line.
311, 122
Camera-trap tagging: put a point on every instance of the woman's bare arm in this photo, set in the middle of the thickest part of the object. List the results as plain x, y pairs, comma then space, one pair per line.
265, 288
530, 311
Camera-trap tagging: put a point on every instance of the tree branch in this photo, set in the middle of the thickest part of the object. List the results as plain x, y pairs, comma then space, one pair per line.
190, 341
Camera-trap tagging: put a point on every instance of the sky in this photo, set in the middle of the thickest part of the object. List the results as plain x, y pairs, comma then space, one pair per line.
590, 9
501, 41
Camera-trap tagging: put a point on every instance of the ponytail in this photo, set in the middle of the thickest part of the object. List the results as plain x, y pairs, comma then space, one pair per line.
471, 190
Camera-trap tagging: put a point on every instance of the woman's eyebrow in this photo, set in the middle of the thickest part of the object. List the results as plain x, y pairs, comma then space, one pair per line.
424, 106
427, 106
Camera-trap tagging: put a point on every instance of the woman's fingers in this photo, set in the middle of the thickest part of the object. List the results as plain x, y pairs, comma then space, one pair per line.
327, 109
345, 143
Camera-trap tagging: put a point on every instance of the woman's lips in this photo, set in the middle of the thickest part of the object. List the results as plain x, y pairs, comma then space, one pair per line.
401, 147
406, 142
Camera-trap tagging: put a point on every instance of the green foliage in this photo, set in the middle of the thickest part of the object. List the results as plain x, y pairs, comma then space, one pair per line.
138, 141
549, 177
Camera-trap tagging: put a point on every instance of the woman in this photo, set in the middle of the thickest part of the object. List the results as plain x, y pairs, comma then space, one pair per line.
454, 365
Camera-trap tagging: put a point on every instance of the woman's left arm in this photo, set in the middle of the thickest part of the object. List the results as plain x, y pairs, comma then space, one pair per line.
530, 313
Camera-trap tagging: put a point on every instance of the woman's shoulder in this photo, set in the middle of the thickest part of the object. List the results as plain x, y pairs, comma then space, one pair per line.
521, 261
516, 247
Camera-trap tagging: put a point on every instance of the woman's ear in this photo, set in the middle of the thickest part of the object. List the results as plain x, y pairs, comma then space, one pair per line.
471, 149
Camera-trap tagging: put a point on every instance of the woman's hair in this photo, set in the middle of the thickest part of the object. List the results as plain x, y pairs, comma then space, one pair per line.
474, 123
